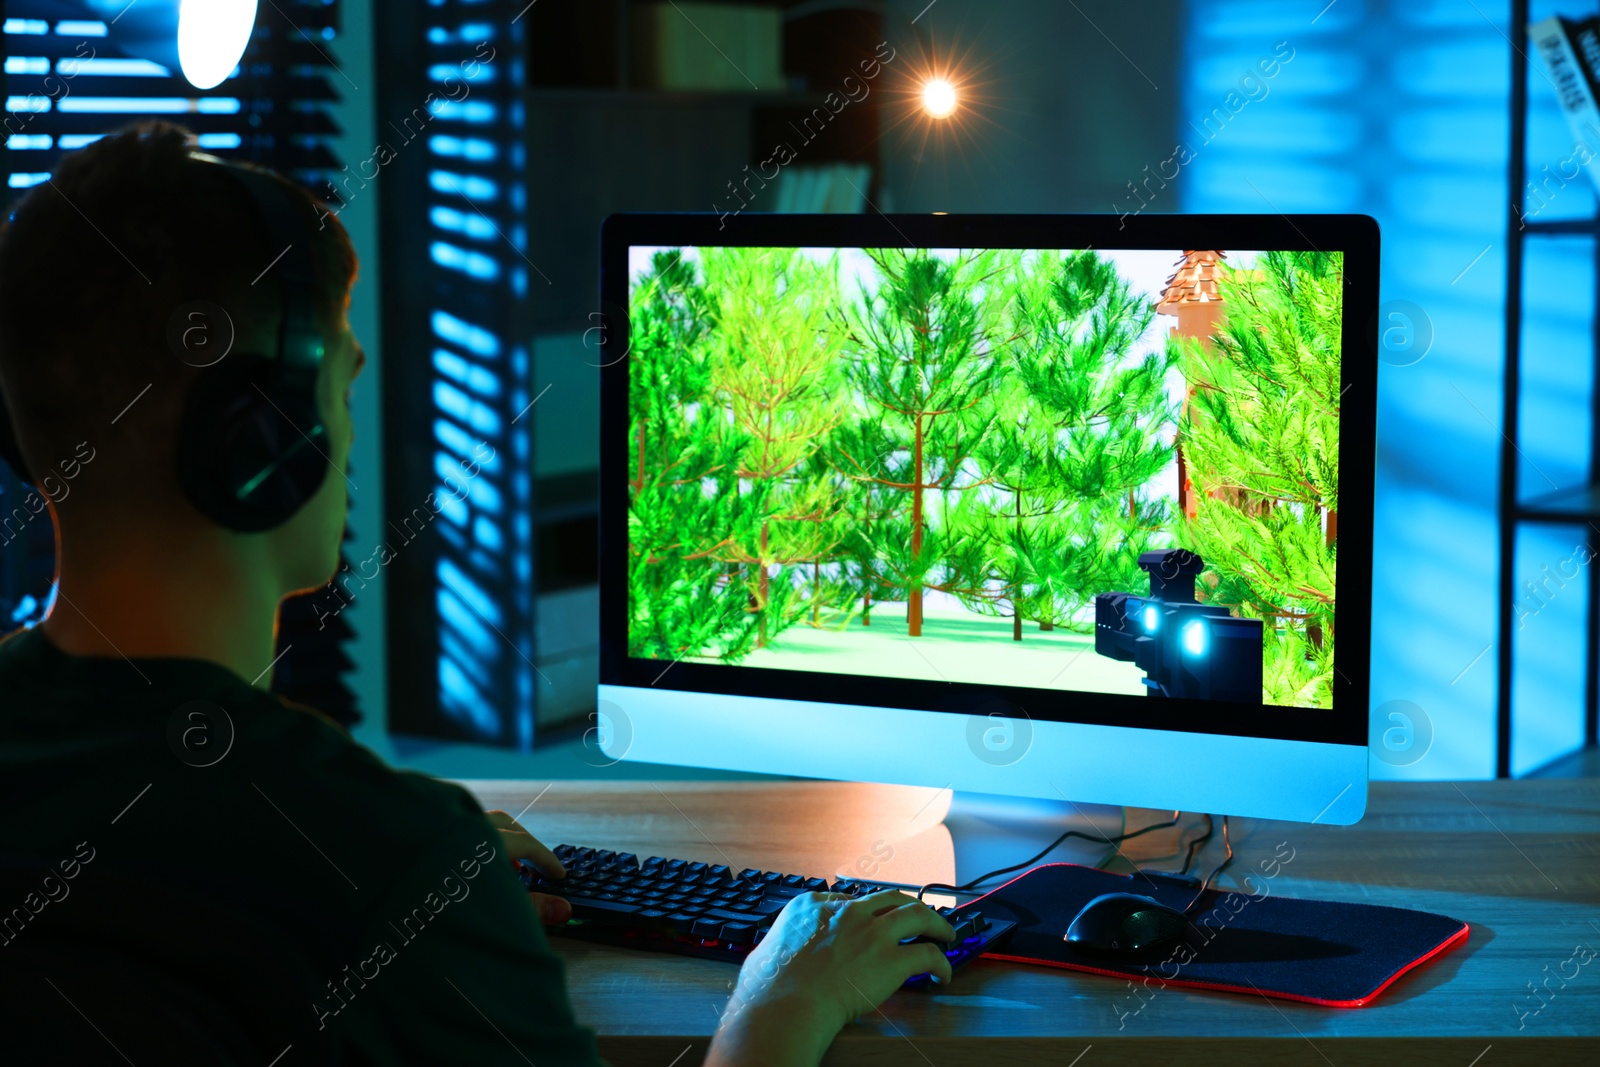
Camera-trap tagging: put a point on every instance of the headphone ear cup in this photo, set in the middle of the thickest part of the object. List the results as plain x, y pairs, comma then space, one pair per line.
251, 448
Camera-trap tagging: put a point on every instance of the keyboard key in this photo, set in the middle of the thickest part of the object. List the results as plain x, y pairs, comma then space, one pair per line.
769, 878
738, 933
735, 915
627, 859
585, 907
697, 867
708, 928
749, 874
718, 872
816, 884
793, 881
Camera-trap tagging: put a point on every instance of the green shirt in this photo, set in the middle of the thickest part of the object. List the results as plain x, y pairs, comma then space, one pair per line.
392, 887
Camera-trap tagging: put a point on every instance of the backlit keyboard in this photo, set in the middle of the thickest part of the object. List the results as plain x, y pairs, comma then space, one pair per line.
706, 909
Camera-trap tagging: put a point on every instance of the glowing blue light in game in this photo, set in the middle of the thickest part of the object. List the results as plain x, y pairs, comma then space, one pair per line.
1152, 618
1194, 638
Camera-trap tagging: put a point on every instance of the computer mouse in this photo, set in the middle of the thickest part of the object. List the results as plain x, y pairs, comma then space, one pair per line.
1125, 923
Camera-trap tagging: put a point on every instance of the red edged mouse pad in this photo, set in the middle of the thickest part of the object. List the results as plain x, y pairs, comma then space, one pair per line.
1320, 951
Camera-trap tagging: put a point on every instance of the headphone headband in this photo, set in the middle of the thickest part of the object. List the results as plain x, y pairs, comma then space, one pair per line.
299, 339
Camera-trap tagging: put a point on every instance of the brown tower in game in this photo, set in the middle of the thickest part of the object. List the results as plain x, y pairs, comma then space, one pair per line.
1191, 295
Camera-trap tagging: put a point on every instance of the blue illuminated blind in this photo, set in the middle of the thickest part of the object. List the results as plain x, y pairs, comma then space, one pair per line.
471, 229
68, 85
1398, 110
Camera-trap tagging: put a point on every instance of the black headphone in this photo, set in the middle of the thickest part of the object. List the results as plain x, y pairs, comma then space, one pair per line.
248, 448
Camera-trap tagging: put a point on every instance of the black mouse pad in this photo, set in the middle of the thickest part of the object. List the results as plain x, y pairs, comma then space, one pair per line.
1325, 952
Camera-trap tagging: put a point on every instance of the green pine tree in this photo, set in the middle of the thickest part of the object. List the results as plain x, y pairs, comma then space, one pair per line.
682, 485
1261, 438
1007, 525
924, 354
776, 370
1107, 423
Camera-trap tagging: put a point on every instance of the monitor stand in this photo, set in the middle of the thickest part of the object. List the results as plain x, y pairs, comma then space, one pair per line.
990, 831
975, 833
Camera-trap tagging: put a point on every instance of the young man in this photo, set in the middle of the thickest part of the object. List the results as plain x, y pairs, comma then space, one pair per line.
185, 857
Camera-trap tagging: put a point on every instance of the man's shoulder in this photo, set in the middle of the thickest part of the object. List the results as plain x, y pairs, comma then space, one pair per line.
199, 781
315, 757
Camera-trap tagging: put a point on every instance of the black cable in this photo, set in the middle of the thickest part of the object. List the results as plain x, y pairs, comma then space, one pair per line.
967, 887
1216, 870
1197, 844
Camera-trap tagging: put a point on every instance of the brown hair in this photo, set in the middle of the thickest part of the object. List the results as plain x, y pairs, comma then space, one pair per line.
98, 262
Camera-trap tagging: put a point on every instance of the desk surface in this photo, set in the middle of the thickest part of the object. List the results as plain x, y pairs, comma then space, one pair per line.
1519, 860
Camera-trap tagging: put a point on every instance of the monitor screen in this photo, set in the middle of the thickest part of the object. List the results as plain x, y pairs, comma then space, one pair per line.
1109, 471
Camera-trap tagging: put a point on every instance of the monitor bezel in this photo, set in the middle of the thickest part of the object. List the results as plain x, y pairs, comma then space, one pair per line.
1355, 235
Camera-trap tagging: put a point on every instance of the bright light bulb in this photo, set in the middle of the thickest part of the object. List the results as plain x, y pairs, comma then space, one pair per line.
212, 35
939, 98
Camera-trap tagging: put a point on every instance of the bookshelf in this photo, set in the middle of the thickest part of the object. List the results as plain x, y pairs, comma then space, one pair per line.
620, 145
1519, 508
561, 129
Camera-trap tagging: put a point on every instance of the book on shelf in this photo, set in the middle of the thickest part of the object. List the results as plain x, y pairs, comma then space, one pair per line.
1570, 52
706, 46
823, 188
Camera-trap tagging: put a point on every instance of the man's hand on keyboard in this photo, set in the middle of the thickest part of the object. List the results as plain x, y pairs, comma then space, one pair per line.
828, 959
518, 844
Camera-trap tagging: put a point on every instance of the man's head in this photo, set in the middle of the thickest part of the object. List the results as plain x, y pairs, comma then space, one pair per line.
101, 270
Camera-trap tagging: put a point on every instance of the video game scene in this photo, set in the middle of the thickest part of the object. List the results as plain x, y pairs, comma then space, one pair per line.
1082, 470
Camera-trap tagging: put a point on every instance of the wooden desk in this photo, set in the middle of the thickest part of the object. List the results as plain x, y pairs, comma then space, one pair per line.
1519, 860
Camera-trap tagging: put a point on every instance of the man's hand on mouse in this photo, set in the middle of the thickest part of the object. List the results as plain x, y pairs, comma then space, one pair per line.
828, 959
521, 845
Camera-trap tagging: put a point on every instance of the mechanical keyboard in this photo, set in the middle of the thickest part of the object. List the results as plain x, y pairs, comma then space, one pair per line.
708, 910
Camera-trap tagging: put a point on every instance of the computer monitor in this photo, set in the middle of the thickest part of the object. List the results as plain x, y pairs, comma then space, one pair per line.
1038, 506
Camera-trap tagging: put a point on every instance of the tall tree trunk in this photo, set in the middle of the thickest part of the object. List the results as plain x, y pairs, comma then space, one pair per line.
866, 579
1016, 609
816, 586
1333, 527
1046, 624
1185, 490
763, 584
914, 605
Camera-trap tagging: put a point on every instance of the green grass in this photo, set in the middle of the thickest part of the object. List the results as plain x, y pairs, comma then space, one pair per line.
955, 646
